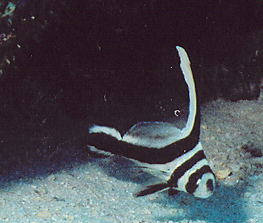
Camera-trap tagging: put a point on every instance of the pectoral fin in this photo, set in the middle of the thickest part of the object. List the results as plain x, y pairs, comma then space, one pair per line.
151, 189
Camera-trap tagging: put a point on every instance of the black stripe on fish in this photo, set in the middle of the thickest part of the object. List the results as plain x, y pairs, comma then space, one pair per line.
187, 165
193, 179
172, 183
143, 154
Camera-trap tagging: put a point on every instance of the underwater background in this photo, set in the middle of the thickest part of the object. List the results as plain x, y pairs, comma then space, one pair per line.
65, 65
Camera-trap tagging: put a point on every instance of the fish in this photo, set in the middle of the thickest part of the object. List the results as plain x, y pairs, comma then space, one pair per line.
174, 156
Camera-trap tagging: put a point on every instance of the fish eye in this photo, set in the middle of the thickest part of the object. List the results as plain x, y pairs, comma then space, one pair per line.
210, 185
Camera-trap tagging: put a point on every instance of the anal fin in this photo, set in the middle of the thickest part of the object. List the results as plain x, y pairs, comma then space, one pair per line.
172, 192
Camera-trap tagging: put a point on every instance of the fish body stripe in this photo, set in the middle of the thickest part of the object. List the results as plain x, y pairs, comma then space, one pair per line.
143, 154
168, 168
185, 177
193, 179
184, 167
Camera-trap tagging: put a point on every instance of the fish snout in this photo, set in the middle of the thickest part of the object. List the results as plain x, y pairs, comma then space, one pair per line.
205, 186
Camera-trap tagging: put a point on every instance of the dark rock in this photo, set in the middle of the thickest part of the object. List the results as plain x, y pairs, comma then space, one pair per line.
242, 91
254, 152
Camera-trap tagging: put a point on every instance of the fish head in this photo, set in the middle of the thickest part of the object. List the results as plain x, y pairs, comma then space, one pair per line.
193, 175
205, 185
200, 187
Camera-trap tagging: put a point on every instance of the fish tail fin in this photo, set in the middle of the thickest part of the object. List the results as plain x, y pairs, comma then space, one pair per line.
151, 189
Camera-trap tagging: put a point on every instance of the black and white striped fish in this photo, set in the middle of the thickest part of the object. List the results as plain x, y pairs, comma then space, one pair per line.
174, 155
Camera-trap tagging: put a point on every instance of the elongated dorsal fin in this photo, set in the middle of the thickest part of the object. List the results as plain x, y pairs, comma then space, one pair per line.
188, 76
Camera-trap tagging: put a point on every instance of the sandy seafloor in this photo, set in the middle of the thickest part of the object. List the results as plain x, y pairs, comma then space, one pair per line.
101, 189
